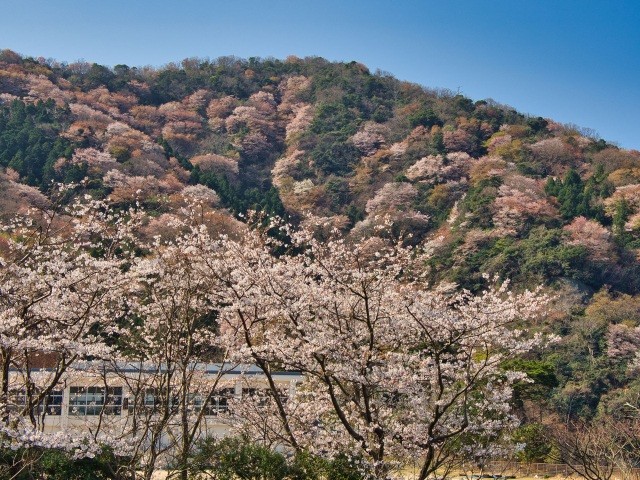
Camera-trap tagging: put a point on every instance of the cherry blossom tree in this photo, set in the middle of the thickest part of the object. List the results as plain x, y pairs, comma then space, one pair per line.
211, 162
627, 193
97, 162
623, 341
183, 125
521, 202
221, 107
146, 118
593, 236
293, 89
394, 202
369, 138
41, 88
393, 371
302, 114
392, 196
437, 168
554, 154
76, 299
60, 271
170, 339
254, 125
18, 197
285, 167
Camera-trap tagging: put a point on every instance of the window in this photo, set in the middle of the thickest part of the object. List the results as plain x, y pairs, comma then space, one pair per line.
147, 400
218, 403
92, 401
52, 403
150, 400
258, 395
262, 395
254, 392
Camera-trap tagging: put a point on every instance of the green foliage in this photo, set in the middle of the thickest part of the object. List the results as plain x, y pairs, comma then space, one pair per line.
578, 198
305, 466
541, 375
478, 200
541, 257
584, 381
327, 141
463, 104
352, 87
355, 214
442, 262
234, 458
435, 201
338, 193
170, 152
343, 467
591, 382
620, 217
120, 153
171, 85
537, 124
437, 144
536, 444
424, 116
241, 200
98, 75
51, 464
552, 187
335, 158
334, 118
578, 377
571, 196
29, 141
496, 115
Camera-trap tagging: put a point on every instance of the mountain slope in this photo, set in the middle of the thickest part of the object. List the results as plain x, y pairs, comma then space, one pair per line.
489, 190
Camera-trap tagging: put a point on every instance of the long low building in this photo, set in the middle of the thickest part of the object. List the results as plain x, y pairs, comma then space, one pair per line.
118, 397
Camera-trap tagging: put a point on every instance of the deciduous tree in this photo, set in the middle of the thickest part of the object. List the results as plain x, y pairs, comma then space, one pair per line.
393, 370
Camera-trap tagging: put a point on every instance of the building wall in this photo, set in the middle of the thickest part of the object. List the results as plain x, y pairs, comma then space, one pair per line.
120, 412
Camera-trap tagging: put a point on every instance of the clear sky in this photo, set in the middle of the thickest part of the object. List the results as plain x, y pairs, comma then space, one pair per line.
576, 61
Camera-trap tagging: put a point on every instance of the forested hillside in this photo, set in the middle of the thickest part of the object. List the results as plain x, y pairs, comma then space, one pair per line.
488, 190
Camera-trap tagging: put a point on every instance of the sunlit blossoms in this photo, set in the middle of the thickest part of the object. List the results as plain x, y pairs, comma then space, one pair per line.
61, 291
393, 370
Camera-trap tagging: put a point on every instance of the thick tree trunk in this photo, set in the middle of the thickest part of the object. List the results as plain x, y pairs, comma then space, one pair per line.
4, 380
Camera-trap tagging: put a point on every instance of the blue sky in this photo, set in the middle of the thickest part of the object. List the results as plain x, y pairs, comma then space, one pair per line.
576, 61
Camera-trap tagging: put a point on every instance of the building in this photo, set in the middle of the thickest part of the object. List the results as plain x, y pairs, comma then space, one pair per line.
124, 399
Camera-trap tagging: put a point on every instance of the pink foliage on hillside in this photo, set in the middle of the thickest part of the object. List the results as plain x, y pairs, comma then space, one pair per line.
521, 200
593, 236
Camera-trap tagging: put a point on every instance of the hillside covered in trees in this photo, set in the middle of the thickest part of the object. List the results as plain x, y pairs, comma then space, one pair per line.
489, 191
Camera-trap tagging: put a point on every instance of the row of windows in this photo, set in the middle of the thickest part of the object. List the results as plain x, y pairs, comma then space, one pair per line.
95, 400
52, 402
84, 401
